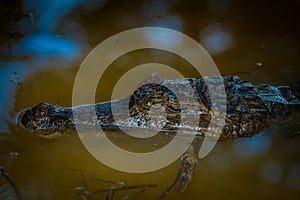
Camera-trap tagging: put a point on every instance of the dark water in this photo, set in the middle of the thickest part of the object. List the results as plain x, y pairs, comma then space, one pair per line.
257, 40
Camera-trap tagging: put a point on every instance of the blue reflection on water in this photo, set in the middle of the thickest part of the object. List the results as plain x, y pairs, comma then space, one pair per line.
8, 89
172, 22
46, 43
215, 39
164, 38
256, 145
50, 12
42, 45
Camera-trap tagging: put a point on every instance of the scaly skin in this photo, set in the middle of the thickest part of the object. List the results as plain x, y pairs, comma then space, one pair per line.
250, 109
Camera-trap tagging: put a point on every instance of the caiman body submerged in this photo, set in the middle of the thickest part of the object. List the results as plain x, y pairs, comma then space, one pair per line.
249, 109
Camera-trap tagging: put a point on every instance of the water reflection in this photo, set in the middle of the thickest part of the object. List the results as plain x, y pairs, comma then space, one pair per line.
293, 178
49, 44
8, 89
162, 38
271, 172
42, 45
171, 22
49, 13
256, 145
216, 39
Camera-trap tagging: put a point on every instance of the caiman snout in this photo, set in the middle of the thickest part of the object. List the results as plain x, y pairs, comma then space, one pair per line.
43, 119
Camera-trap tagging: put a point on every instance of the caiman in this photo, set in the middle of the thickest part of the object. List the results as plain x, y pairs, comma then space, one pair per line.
249, 109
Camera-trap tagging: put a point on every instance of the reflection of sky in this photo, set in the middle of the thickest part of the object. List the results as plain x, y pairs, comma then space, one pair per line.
49, 44
171, 22
42, 44
215, 39
8, 89
51, 12
256, 145
164, 38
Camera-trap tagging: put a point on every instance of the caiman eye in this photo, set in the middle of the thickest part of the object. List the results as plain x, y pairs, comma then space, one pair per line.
155, 104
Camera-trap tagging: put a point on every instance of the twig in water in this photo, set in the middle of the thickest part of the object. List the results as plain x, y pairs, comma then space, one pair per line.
119, 183
293, 135
81, 172
184, 174
6, 176
135, 194
189, 163
130, 187
173, 183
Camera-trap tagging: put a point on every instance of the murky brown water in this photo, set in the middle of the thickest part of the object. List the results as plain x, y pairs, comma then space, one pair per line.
264, 167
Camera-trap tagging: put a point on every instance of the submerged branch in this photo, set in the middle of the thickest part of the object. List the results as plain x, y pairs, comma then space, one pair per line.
184, 175
8, 179
130, 187
119, 183
81, 172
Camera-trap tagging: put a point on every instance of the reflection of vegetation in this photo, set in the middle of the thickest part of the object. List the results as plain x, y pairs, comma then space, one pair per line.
180, 183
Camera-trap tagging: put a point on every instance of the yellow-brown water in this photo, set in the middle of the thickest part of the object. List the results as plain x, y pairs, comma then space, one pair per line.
266, 167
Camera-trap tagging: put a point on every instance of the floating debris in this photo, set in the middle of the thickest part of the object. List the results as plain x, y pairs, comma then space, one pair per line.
13, 154
259, 64
84, 194
14, 77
